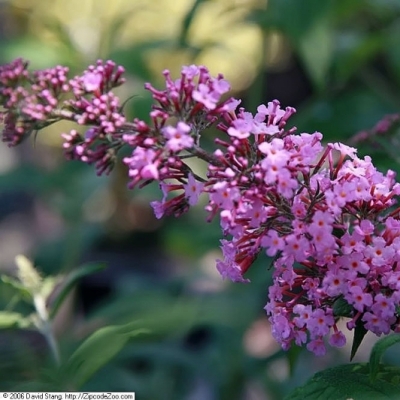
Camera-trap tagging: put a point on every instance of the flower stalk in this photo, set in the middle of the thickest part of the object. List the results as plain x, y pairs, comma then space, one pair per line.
330, 226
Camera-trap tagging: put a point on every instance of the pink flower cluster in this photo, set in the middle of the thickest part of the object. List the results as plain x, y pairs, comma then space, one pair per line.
35, 100
326, 216
194, 101
29, 108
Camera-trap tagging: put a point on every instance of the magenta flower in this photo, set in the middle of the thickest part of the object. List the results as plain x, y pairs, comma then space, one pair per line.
273, 243
328, 217
337, 339
207, 96
317, 346
193, 189
91, 81
178, 137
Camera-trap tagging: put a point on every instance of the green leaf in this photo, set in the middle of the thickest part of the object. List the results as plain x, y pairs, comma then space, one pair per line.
71, 280
350, 381
315, 48
377, 351
186, 23
48, 285
355, 50
9, 319
359, 333
393, 55
341, 308
292, 356
110, 35
22, 291
98, 349
32, 48
310, 30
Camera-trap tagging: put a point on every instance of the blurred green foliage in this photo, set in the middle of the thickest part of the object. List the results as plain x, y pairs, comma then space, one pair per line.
196, 327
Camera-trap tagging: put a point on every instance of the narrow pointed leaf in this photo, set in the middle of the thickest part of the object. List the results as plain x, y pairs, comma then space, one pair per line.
22, 291
359, 333
187, 21
97, 350
292, 356
71, 280
316, 50
10, 319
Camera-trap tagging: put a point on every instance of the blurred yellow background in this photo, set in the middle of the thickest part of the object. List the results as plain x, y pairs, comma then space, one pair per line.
218, 36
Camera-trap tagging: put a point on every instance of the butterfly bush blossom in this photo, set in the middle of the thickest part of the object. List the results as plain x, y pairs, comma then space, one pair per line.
327, 217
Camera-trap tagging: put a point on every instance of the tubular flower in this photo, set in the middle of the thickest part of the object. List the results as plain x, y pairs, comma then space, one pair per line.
328, 217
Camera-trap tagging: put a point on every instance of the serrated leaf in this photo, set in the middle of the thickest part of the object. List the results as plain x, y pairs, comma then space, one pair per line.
377, 351
98, 349
350, 381
359, 333
71, 280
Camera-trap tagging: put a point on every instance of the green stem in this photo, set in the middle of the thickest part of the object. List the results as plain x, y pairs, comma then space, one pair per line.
45, 326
